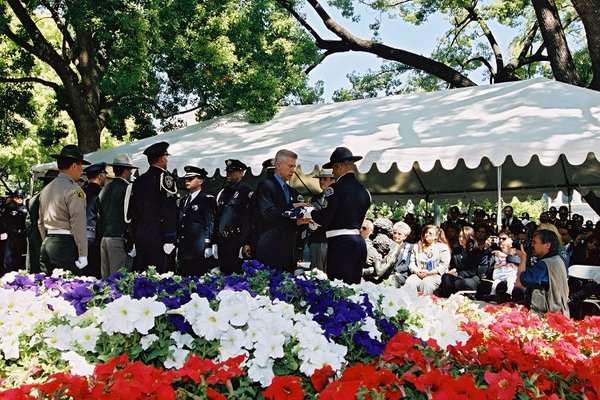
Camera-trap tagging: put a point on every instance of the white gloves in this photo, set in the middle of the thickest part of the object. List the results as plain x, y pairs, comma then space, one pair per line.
168, 248
132, 253
208, 252
81, 262
3, 236
241, 253
215, 251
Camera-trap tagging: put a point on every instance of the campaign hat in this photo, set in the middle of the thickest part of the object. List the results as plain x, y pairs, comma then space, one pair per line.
96, 168
525, 215
192, 172
71, 151
235, 165
269, 164
157, 149
123, 160
324, 173
563, 209
552, 209
48, 175
341, 154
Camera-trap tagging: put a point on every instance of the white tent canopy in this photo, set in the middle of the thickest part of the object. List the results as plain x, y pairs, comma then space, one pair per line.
543, 133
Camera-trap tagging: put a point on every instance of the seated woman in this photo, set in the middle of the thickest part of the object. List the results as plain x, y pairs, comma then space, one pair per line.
464, 265
395, 265
429, 261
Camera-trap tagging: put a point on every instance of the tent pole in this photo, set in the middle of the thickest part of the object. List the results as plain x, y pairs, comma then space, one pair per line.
499, 191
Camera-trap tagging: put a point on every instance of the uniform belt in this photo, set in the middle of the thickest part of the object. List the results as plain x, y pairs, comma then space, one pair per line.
340, 232
59, 232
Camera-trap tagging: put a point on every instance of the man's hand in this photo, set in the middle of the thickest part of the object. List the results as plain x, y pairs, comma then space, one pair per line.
81, 262
168, 248
303, 221
215, 251
298, 205
133, 252
208, 252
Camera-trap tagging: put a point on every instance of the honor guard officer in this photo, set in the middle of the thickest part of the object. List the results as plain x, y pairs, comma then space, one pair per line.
197, 214
62, 221
347, 204
317, 241
153, 212
15, 214
233, 203
34, 240
96, 174
111, 218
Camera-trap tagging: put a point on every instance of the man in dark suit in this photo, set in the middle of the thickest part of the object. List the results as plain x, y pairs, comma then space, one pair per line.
153, 213
511, 222
197, 214
233, 226
347, 204
96, 174
276, 235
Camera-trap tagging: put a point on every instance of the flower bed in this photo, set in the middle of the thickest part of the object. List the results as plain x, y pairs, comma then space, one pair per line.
270, 334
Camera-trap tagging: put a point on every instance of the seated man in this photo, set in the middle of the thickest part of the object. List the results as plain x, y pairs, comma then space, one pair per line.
545, 282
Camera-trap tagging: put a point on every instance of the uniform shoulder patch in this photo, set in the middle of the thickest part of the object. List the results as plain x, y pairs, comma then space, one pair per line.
80, 193
328, 192
167, 182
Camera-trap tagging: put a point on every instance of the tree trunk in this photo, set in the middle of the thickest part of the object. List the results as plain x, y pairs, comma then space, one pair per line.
561, 60
589, 12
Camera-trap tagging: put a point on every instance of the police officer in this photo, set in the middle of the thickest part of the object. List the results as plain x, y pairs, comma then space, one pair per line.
197, 214
96, 174
317, 242
15, 214
34, 240
153, 212
347, 204
233, 203
62, 221
113, 228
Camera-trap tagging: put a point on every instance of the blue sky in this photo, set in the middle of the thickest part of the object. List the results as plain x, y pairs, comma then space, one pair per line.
418, 39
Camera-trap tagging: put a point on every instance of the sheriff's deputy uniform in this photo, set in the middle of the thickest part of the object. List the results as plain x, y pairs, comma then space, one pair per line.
234, 229
62, 221
34, 240
347, 204
197, 214
153, 209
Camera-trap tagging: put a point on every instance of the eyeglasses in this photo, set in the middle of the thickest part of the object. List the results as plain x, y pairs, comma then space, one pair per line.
363, 228
503, 237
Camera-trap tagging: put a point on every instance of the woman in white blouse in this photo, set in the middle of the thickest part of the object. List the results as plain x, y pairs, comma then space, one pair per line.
429, 261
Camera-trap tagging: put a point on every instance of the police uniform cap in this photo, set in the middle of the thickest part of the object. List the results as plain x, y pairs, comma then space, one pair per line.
525, 215
73, 152
235, 165
49, 175
192, 172
157, 149
324, 173
455, 210
563, 209
18, 193
96, 168
123, 160
269, 164
552, 209
341, 154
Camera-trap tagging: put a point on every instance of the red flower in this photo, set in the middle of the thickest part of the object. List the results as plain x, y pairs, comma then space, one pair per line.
504, 384
212, 394
321, 377
285, 388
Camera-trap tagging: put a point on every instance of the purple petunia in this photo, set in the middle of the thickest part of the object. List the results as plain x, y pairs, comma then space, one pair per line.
143, 287
78, 296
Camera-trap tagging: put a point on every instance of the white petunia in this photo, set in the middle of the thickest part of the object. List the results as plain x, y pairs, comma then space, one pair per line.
211, 326
147, 310
194, 310
176, 357
270, 346
120, 316
86, 337
261, 373
369, 325
147, 340
232, 343
59, 337
182, 339
78, 364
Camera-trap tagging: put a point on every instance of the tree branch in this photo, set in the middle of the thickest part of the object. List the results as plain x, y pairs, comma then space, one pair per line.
32, 79
487, 32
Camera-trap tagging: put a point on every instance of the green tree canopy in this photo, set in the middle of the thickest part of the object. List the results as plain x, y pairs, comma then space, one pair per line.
128, 65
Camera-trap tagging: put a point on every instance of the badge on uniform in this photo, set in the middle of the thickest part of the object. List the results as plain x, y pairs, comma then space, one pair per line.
168, 183
328, 192
80, 193
300, 198
236, 194
195, 207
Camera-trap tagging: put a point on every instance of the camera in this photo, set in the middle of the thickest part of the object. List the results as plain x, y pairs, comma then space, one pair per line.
517, 244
